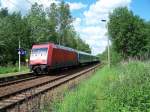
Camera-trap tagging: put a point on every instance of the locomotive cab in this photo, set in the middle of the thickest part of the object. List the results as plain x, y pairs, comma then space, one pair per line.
38, 59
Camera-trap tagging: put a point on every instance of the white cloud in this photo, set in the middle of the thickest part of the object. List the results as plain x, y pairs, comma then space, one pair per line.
101, 8
24, 5
92, 30
76, 6
77, 22
9, 4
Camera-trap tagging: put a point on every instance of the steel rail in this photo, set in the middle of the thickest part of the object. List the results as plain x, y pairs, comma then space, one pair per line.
15, 77
17, 81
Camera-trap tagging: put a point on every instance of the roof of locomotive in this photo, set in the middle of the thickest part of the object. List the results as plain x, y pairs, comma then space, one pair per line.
65, 48
53, 45
60, 47
42, 45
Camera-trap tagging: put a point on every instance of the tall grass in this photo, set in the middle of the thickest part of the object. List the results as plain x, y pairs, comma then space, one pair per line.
123, 88
11, 69
131, 91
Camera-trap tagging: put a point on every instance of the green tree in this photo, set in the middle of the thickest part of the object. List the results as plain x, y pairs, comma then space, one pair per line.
37, 21
82, 46
53, 23
12, 29
37, 26
127, 33
65, 21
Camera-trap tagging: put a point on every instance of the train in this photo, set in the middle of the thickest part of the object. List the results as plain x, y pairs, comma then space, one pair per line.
49, 56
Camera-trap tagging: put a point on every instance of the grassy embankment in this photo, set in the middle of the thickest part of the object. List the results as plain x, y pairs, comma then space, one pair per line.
123, 88
7, 71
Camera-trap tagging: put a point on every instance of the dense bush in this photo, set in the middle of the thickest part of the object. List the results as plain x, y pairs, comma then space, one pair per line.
115, 57
130, 92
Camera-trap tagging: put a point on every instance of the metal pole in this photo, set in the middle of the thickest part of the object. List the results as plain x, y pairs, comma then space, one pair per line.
108, 52
19, 54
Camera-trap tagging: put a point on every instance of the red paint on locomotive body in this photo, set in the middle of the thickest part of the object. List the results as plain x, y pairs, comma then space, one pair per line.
63, 57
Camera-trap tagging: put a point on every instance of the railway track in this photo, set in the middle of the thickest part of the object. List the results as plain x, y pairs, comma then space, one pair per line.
5, 81
34, 87
14, 79
17, 81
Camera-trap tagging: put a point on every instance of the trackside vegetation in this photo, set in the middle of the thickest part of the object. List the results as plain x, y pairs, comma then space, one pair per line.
8, 70
122, 88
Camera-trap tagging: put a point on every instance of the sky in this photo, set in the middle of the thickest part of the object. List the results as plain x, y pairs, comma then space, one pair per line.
88, 15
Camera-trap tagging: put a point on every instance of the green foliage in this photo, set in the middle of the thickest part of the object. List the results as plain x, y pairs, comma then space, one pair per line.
122, 88
128, 32
4, 71
130, 92
53, 24
115, 57
65, 20
83, 98
12, 28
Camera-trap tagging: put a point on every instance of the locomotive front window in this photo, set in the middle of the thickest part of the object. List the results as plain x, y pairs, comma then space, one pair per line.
39, 50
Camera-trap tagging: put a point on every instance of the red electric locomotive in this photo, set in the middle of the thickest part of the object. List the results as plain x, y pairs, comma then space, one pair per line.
45, 57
